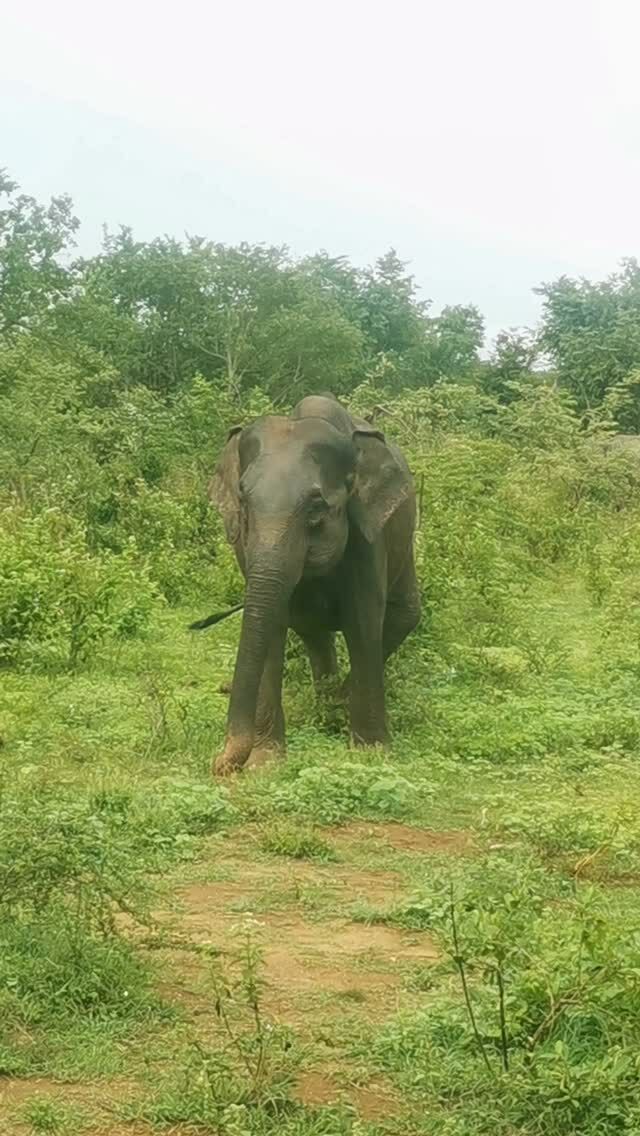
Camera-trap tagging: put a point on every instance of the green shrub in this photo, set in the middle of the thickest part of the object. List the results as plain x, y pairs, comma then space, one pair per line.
57, 602
175, 531
65, 877
584, 841
56, 968
553, 989
329, 795
72, 866
161, 823
56, 849
51, 1116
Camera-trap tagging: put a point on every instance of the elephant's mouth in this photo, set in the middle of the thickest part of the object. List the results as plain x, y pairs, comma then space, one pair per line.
320, 561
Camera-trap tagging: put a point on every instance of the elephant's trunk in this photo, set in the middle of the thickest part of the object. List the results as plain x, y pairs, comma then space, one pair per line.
270, 581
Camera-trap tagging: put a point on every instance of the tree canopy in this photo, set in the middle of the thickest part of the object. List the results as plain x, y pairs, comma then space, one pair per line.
249, 317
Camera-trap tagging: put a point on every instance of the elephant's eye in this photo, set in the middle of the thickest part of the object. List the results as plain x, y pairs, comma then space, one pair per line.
318, 509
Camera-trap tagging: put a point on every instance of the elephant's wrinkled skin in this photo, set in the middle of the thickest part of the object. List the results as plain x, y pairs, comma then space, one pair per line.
320, 511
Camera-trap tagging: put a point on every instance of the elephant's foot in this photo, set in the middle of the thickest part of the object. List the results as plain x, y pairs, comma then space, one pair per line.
232, 759
360, 741
224, 766
368, 719
367, 731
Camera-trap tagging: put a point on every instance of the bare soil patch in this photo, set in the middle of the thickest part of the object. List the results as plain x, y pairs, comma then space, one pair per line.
248, 892
305, 960
404, 837
14, 1091
101, 1098
373, 1102
366, 963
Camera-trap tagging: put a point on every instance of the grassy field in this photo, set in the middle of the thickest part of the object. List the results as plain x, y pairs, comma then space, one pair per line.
438, 939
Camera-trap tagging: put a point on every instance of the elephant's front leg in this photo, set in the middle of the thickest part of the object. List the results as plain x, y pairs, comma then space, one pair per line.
366, 690
266, 737
270, 726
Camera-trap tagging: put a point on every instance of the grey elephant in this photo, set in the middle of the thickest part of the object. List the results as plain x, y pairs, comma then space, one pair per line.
320, 511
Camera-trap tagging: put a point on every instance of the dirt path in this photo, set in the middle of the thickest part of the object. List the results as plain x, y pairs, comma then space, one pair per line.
320, 966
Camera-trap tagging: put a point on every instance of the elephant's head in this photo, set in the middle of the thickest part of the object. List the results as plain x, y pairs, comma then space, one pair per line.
289, 491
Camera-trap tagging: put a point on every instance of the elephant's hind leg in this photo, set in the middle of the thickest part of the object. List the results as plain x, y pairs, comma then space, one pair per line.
402, 613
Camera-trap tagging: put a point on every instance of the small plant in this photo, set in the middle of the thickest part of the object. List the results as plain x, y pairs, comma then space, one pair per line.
298, 842
547, 1005
55, 849
331, 794
49, 1117
579, 841
246, 1069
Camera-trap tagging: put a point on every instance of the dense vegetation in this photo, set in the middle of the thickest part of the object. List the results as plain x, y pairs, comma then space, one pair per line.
514, 707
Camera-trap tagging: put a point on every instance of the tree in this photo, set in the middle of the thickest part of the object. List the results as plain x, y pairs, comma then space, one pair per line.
592, 331
33, 239
456, 338
511, 363
165, 311
393, 319
307, 347
240, 316
621, 404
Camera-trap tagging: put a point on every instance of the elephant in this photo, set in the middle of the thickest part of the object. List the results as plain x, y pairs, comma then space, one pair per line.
320, 510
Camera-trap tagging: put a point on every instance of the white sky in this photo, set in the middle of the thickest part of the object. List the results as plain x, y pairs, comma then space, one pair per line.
494, 143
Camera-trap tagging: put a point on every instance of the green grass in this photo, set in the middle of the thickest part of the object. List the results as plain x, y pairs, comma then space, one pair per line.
296, 841
52, 1118
107, 812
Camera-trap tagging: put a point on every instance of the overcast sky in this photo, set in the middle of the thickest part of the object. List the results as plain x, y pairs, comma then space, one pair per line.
494, 143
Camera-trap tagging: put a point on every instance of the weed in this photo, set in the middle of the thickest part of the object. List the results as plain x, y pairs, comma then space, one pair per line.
299, 842
57, 602
52, 1117
331, 794
580, 841
246, 1068
548, 1001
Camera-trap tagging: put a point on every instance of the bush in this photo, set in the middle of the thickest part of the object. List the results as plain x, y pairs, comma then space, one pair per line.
160, 823
579, 840
553, 988
65, 877
175, 532
71, 866
54, 968
57, 602
58, 849
329, 795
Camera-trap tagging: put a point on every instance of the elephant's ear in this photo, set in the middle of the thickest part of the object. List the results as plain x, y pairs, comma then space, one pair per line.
224, 485
382, 482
